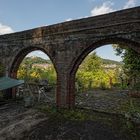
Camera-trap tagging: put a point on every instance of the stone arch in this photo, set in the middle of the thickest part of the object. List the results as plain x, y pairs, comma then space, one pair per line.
18, 59
2, 69
74, 66
21, 55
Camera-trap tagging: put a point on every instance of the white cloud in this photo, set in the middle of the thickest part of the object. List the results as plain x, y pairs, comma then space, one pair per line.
69, 19
4, 29
106, 7
36, 53
129, 4
40, 52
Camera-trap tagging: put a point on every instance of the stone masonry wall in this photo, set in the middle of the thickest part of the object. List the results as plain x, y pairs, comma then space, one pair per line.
68, 43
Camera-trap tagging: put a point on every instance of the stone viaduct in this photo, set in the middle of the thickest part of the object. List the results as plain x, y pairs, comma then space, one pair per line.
68, 43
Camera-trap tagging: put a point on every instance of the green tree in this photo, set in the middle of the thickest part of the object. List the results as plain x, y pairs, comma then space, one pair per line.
92, 74
92, 63
131, 60
32, 73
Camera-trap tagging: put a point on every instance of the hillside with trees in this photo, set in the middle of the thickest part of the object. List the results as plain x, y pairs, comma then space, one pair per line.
33, 73
94, 72
108, 61
35, 60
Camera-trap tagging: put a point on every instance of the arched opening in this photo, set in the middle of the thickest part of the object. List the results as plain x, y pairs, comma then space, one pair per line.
98, 71
37, 66
100, 78
37, 69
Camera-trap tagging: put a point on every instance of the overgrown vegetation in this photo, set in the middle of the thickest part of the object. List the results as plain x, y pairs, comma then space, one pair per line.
95, 72
31, 72
131, 65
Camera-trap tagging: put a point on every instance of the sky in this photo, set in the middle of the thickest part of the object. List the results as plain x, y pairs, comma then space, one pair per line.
19, 15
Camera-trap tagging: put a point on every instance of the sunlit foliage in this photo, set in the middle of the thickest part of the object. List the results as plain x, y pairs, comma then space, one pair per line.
93, 74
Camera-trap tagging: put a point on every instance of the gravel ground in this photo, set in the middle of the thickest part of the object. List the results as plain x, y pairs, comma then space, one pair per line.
20, 123
105, 100
72, 130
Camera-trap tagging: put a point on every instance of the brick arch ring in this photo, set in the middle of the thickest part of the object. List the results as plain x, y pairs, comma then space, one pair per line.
74, 66
20, 56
